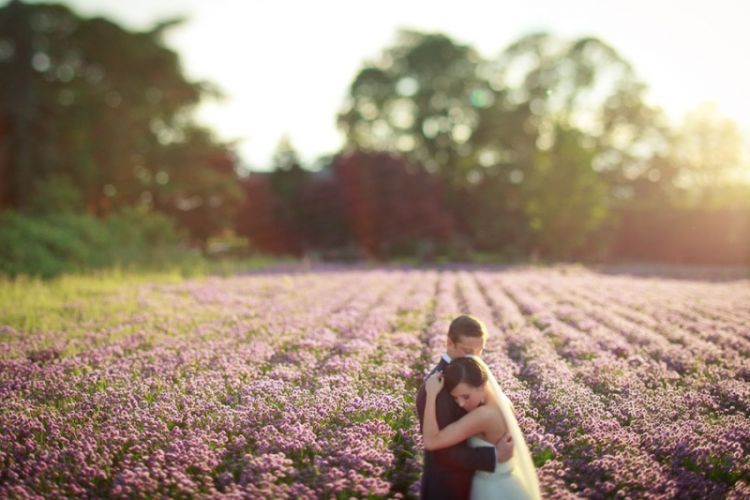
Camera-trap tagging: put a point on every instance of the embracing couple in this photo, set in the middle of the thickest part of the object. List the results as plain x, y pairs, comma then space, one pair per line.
473, 445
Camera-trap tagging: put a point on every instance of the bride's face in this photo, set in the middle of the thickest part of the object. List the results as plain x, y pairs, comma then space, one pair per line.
468, 397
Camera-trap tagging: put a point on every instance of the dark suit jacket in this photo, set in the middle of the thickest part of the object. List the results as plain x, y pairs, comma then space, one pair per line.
448, 472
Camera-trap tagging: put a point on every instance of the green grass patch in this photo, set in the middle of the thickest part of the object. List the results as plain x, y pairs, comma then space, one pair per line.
75, 312
33, 304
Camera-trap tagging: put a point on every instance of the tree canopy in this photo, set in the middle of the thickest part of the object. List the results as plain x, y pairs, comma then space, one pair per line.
105, 113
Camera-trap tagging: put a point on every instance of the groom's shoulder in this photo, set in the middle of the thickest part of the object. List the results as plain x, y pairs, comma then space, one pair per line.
426, 376
442, 364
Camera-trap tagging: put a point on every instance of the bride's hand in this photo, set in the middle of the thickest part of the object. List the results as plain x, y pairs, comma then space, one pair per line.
434, 383
504, 447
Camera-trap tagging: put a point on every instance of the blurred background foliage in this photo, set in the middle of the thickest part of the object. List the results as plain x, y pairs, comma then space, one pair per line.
548, 151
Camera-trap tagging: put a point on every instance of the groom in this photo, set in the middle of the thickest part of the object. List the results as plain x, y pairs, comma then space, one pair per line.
447, 473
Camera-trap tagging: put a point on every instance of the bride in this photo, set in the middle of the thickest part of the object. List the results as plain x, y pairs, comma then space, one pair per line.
472, 385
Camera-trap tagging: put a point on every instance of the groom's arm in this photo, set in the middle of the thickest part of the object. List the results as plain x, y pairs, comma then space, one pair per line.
461, 455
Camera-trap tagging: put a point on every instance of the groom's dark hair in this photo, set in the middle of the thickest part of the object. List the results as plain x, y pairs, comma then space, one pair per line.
466, 326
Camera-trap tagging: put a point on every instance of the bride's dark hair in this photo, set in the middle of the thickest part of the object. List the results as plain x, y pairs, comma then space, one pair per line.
465, 370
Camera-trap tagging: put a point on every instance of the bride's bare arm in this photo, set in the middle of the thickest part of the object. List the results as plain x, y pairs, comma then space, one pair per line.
469, 425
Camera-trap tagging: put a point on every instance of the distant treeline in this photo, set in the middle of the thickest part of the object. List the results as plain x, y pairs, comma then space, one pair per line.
548, 150
379, 205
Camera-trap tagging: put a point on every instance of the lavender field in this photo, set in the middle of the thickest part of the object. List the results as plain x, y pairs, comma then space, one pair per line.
301, 383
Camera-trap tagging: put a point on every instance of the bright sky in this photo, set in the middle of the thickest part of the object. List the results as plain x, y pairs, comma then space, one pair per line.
285, 66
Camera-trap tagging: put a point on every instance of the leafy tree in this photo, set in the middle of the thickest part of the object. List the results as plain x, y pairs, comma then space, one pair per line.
565, 199
107, 108
421, 99
325, 229
19, 104
494, 216
393, 207
484, 126
287, 180
708, 148
55, 194
196, 184
286, 208
258, 217
370, 204
583, 84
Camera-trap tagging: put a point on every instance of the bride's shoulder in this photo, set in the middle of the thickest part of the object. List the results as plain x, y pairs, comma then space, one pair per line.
488, 420
489, 412
495, 414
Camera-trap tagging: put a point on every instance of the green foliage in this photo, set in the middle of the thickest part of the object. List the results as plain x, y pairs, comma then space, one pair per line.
138, 228
565, 199
54, 195
422, 99
287, 181
96, 117
543, 457
199, 189
28, 248
49, 245
494, 215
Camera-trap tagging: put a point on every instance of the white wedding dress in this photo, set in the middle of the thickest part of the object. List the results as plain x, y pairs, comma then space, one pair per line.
512, 480
503, 483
